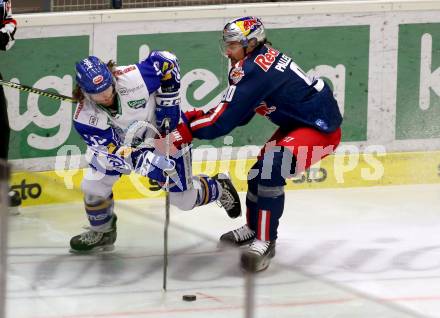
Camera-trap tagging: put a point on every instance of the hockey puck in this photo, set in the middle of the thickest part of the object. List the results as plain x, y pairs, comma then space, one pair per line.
14, 198
189, 297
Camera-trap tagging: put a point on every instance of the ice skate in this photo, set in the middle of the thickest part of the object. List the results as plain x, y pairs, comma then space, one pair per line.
92, 241
257, 257
229, 200
239, 237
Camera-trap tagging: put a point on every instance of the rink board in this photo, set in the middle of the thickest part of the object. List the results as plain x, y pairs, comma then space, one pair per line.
379, 56
336, 171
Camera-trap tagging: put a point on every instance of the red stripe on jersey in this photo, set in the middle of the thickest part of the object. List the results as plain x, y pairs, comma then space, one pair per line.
210, 118
267, 225
263, 225
260, 215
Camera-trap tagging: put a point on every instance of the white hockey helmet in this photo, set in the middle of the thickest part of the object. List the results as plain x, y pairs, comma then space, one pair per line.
243, 30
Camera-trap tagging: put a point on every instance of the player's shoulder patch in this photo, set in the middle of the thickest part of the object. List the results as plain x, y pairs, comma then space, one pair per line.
266, 58
240, 70
124, 69
128, 76
236, 74
79, 108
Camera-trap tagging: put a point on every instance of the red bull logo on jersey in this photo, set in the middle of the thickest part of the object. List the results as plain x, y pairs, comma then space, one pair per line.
98, 79
266, 60
263, 110
236, 75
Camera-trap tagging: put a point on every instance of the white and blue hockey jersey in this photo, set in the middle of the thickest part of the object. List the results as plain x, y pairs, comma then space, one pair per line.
105, 129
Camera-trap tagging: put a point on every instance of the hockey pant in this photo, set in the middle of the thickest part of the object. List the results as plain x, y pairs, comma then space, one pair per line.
98, 196
284, 155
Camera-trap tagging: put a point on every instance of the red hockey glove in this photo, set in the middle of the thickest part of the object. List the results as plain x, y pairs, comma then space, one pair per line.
194, 114
179, 136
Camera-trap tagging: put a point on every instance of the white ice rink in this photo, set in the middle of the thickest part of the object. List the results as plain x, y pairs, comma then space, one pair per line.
352, 253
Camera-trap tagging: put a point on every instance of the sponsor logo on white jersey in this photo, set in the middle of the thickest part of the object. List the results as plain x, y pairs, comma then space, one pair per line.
138, 103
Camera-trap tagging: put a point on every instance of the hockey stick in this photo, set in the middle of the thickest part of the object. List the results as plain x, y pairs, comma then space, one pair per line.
167, 209
37, 91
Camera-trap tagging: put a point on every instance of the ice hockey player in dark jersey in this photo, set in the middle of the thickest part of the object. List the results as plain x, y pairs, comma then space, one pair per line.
265, 81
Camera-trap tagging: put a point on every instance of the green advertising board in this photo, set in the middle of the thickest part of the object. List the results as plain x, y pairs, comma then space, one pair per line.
40, 126
309, 47
339, 54
418, 82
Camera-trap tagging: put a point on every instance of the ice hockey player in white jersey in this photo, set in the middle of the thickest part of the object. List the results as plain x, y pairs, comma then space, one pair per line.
122, 110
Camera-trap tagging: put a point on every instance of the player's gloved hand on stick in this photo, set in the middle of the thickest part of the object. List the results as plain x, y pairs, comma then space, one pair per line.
157, 167
167, 108
179, 136
193, 114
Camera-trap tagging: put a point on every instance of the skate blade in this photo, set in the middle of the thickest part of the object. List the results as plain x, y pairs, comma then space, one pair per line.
225, 245
251, 264
96, 250
251, 267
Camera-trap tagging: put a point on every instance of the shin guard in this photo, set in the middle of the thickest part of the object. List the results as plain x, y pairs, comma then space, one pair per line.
99, 211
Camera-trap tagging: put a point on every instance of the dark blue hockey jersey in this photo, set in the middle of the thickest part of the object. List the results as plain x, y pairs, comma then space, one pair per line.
269, 83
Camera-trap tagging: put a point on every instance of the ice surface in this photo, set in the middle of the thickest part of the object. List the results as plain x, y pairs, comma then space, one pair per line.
352, 253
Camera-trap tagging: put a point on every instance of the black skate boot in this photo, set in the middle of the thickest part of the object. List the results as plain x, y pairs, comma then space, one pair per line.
239, 237
229, 200
93, 241
257, 257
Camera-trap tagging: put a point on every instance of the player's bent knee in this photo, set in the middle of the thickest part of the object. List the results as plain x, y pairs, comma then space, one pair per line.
185, 200
93, 200
94, 188
278, 164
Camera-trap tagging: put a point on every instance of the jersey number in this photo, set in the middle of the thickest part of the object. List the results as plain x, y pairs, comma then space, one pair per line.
298, 71
229, 93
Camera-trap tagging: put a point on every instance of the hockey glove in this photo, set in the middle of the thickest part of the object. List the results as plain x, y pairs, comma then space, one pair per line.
193, 114
158, 167
167, 108
178, 137
7, 37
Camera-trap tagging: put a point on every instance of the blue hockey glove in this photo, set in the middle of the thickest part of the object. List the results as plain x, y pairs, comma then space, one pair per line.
158, 167
167, 108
